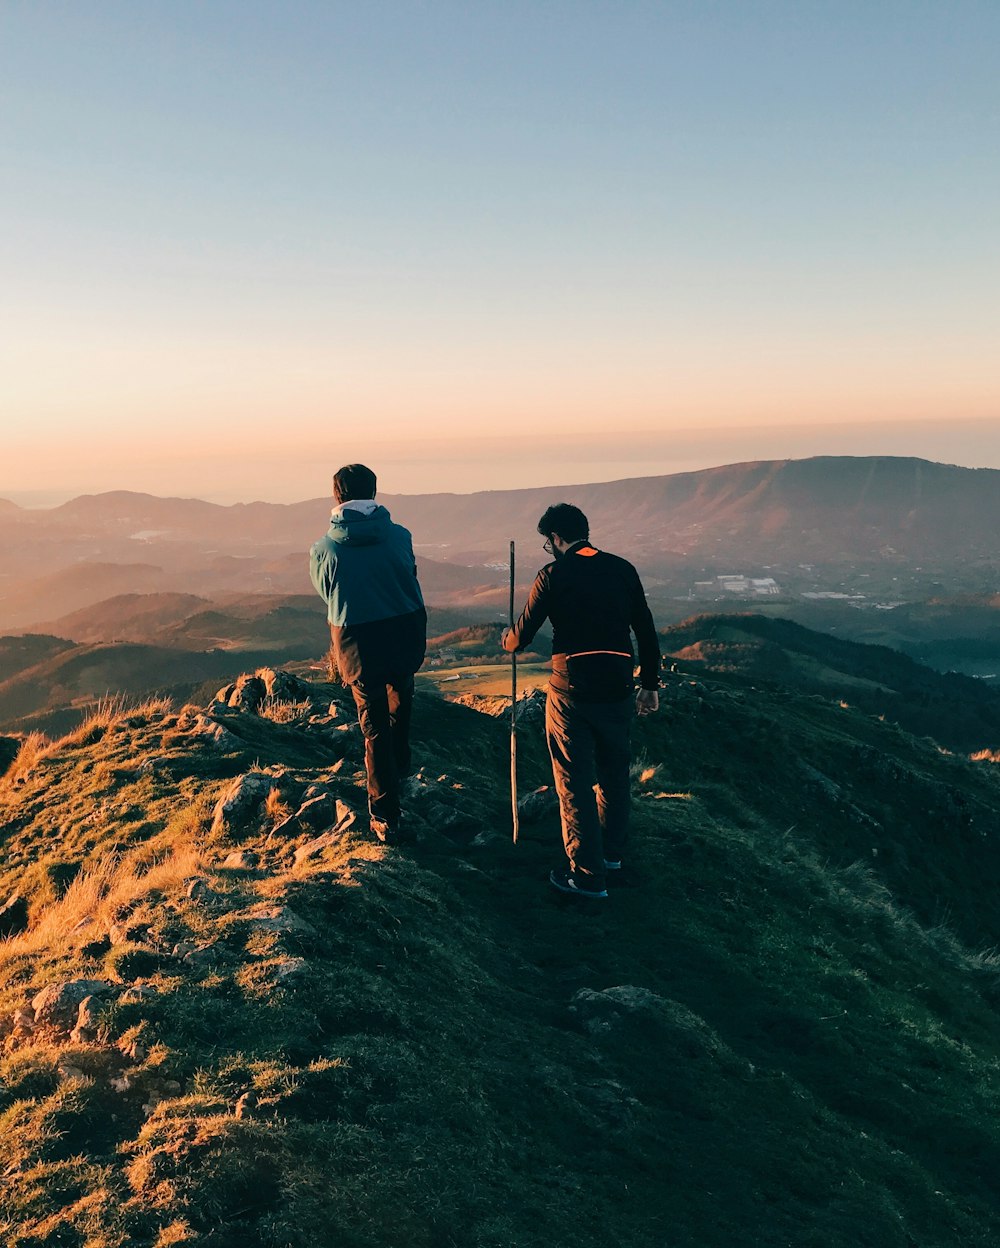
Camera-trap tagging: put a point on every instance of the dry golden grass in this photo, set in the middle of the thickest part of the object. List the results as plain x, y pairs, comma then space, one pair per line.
111, 710
99, 893
275, 807
985, 756
33, 747
283, 711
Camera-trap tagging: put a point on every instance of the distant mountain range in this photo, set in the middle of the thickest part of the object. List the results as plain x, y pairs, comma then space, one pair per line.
891, 529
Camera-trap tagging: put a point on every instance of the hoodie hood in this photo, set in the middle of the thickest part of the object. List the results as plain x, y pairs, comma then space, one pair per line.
356, 528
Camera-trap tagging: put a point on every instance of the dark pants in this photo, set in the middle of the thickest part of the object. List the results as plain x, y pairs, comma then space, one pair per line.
589, 747
384, 711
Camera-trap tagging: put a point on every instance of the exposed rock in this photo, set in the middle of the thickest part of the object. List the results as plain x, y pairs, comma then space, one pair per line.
201, 954
290, 968
241, 860
538, 803
482, 839
322, 811
241, 801
281, 919
198, 890
318, 812
312, 849
599, 1012
58, 1005
14, 916
684, 1036
137, 993
245, 694
284, 687
249, 692
87, 1021
209, 730
23, 1023
454, 823
531, 707
611, 1101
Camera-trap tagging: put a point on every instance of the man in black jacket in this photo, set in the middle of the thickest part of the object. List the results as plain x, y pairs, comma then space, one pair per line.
594, 601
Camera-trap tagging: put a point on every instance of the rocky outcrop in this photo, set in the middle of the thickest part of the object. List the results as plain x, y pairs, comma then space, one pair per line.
58, 1006
244, 797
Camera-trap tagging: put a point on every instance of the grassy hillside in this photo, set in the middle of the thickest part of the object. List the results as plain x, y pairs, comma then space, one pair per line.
958, 711
781, 1029
17, 654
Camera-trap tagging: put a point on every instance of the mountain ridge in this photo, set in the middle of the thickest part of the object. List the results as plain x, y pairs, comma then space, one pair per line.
296, 1036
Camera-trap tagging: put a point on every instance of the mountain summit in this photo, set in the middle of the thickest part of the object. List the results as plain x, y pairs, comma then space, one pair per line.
231, 1019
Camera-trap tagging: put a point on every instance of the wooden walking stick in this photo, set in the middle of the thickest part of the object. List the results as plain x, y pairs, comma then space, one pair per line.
513, 709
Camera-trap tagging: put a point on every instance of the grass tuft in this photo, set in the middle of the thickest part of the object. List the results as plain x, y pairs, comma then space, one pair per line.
100, 893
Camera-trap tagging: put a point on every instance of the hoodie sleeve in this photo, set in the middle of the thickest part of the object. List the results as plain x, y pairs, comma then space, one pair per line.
322, 569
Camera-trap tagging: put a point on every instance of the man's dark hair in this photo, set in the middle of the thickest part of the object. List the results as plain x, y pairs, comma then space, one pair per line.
353, 481
566, 521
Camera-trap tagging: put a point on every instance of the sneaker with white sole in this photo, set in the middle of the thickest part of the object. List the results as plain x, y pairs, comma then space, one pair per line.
565, 883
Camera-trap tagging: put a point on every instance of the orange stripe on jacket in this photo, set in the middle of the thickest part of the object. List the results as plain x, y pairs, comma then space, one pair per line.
579, 654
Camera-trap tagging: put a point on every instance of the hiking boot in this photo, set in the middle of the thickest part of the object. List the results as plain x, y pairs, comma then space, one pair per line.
565, 883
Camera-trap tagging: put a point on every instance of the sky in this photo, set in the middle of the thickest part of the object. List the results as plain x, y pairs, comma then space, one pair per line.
491, 245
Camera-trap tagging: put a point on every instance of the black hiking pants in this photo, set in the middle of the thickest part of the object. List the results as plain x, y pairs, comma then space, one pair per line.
384, 712
590, 751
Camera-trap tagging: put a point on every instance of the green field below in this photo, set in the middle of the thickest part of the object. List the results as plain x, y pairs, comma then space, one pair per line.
485, 678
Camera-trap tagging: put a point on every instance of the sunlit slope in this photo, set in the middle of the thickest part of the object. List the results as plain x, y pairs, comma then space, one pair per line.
781, 1029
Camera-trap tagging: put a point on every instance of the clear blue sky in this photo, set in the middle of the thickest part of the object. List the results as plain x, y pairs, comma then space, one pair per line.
491, 244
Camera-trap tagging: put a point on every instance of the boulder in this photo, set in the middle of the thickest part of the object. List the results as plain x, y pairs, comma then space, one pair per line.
241, 801
284, 687
245, 694
241, 860
58, 1005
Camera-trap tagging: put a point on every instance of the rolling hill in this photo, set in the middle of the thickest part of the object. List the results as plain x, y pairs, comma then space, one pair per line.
958, 711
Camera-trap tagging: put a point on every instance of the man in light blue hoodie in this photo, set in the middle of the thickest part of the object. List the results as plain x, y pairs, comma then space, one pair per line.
365, 572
